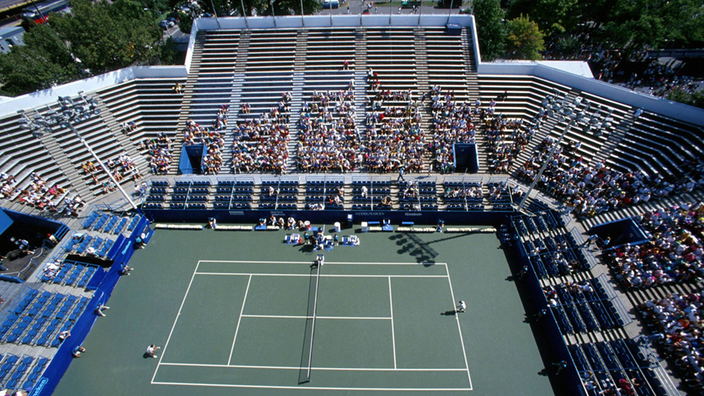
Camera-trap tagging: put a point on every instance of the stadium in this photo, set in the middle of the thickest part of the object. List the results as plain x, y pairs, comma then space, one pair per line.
303, 204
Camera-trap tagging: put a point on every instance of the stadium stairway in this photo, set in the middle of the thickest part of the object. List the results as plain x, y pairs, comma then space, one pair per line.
471, 64
360, 80
188, 93
615, 138
423, 86
235, 103
127, 146
549, 124
235, 98
421, 62
297, 96
243, 51
78, 186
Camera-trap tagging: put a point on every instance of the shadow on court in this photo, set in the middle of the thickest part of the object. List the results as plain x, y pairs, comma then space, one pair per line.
416, 247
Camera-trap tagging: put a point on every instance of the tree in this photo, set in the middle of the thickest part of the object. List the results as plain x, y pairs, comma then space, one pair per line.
693, 99
108, 36
262, 7
491, 30
524, 40
556, 16
185, 22
159, 6
634, 25
553, 16
44, 61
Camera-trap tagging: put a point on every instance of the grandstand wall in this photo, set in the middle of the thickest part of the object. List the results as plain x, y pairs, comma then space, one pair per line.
613, 92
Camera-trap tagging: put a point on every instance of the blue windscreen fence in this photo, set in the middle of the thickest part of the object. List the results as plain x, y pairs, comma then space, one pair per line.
121, 253
5, 221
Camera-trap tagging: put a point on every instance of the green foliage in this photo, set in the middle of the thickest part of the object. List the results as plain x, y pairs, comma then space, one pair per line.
168, 55
108, 36
552, 16
556, 16
43, 62
491, 31
185, 22
159, 6
630, 25
680, 95
94, 38
524, 40
568, 46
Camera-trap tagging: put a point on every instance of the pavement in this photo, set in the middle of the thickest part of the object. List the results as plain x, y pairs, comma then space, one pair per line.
7, 4
357, 6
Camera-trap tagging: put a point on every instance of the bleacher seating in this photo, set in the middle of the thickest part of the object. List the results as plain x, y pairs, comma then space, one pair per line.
420, 195
301, 62
39, 316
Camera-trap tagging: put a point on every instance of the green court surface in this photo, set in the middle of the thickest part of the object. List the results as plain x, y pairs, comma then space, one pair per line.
241, 313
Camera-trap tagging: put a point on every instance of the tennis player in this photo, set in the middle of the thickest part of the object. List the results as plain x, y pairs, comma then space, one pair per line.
461, 306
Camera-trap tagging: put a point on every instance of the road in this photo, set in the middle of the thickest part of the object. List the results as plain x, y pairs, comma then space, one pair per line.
7, 4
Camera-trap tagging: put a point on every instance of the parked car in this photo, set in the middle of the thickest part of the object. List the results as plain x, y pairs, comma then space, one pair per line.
167, 23
331, 4
410, 3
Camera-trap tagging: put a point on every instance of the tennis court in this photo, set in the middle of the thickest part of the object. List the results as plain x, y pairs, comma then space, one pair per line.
287, 325
243, 313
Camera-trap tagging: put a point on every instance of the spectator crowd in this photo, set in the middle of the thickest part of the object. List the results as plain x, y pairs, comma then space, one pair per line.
261, 143
676, 325
673, 252
328, 135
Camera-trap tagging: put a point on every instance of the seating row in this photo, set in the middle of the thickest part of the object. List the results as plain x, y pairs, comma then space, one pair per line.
21, 371
40, 316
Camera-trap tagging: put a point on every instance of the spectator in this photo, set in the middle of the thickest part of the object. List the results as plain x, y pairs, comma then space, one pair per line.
100, 308
673, 253
328, 136
677, 319
77, 351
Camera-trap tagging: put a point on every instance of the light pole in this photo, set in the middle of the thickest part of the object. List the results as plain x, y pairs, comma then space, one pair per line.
420, 11
72, 112
575, 116
273, 13
216, 13
303, 21
244, 14
449, 13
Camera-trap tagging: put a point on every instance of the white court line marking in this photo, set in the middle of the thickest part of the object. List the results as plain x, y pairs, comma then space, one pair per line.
314, 368
316, 387
322, 276
312, 326
393, 333
318, 317
457, 316
244, 386
310, 262
239, 319
175, 320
